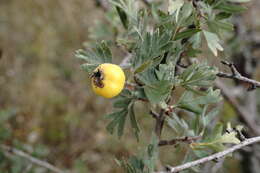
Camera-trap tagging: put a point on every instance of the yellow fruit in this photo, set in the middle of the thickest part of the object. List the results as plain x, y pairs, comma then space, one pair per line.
108, 80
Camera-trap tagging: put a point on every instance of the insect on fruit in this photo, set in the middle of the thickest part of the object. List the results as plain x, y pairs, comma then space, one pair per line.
108, 80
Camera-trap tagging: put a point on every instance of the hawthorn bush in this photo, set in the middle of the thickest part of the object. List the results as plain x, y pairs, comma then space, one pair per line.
166, 51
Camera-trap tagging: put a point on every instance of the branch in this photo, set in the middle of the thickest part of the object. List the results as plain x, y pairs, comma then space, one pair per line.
187, 139
236, 75
245, 116
33, 160
215, 156
240, 78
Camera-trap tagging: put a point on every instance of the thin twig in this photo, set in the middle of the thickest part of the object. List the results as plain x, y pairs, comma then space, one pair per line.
240, 78
215, 156
237, 76
186, 139
245, 116
33, 160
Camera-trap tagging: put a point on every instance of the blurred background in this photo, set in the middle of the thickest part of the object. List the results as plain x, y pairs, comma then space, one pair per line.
47, 107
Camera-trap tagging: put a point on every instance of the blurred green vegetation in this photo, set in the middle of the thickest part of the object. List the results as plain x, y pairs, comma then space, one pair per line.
49, 107
42, 85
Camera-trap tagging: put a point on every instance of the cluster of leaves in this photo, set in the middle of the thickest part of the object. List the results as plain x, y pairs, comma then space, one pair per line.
159, 40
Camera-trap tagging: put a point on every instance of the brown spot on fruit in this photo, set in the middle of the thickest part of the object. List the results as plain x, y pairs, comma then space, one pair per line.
98, 77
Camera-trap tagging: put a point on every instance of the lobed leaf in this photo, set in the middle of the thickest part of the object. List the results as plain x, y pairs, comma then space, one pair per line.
157, 91
213, 42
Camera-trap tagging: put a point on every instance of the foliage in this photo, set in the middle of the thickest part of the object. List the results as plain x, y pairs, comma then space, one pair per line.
159, 41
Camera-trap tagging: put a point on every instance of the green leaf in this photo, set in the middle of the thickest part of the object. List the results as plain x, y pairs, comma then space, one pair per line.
151, 48
122, 102
217, 26
180, 126
175, 7
166, 72
88, 67
139, 94
222, 15
190, 107
152, 152
216, 139
206, 9
216, 133
239, 1
184, 103
230, 8
143, 67
158, 91
210, 116
213, 96
229, 138
201, 153
198, 75
148, 77
213, 42
186, 12
186, 34
128, 12
104, 52
195, 40
112, 125
100, 54
192, 104
121, 124
123, 17
117, 122
126, 104
159, 15
199, 122
133, 121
